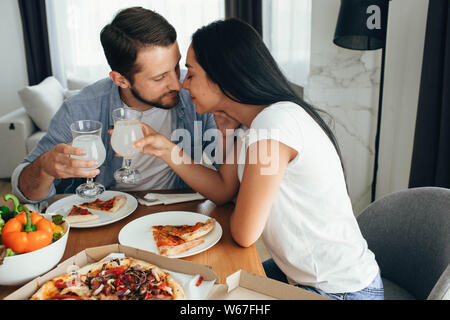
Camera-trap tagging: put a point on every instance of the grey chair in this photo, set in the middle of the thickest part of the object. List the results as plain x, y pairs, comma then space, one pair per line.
409, 233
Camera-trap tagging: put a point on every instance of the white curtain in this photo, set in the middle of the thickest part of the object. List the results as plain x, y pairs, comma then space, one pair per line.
75, 25
287, 34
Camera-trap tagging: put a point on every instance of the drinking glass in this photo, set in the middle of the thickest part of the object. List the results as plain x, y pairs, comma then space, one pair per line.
127, 130
87, 136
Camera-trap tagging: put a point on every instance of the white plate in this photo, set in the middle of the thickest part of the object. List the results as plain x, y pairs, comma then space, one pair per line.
137, 233
64, 206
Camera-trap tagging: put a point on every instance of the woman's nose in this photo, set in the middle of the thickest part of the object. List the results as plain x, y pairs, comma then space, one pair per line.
185, 83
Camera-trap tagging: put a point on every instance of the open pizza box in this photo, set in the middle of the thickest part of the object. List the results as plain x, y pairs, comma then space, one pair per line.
241, 285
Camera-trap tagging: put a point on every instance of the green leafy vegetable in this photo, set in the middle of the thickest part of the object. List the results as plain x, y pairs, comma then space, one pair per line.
6, 214
10, 253
57, 219
57, 235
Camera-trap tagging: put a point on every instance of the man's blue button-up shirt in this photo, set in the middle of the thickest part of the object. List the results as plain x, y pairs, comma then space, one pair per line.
96, 102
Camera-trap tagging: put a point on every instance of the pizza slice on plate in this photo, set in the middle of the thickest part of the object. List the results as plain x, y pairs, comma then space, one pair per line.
80, 215
112, 205
175, 239
169, 245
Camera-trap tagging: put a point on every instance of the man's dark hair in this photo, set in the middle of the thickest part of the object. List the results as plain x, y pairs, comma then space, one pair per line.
131, 30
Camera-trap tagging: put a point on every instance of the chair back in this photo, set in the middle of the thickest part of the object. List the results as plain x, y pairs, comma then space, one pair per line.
409, 233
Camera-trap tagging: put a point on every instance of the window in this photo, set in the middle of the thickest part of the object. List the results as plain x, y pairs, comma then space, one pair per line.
75, 25
287, 34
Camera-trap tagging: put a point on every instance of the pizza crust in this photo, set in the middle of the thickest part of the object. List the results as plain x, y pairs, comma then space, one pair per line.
118, 203
75, 215
94, 268
48, 289
200, 232
72, 219
177, 289
174, 250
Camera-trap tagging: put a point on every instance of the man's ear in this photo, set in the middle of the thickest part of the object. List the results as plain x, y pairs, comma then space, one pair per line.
119, 80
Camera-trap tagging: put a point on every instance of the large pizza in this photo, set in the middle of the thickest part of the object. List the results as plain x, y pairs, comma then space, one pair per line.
117, 279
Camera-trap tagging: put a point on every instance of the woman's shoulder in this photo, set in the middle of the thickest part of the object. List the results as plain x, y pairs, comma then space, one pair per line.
284, 106
278, 114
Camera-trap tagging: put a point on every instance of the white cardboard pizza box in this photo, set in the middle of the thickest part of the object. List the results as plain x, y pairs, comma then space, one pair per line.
92, 255
241, 285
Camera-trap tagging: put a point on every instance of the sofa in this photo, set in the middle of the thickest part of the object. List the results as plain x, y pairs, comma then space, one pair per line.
21, 129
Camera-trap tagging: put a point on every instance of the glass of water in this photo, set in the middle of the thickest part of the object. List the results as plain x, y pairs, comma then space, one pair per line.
127, 130
87, 136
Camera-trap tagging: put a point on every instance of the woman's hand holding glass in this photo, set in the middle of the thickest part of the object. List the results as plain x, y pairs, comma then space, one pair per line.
127, 130
154, 143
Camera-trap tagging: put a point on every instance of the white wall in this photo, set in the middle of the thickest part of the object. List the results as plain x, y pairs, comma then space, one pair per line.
346, 84
12, 56
404, 54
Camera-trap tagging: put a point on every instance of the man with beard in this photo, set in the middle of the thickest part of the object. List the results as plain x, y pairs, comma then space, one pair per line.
142, 51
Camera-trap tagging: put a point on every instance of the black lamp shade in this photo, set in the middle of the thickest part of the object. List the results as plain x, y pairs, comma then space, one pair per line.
362, 24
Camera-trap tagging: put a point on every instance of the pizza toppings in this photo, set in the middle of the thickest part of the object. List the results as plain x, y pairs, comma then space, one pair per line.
111, 205
118, 279
180, 231
128, 284
79, 211
99, 204
199, 281
60, 284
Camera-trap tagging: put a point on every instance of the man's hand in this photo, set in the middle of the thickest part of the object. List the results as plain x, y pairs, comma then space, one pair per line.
58, 163
36, 179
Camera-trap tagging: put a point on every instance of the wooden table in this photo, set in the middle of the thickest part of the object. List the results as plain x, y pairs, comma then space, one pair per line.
226, 257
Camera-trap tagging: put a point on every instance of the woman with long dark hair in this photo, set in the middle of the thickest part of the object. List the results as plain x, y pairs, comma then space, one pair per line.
285, 166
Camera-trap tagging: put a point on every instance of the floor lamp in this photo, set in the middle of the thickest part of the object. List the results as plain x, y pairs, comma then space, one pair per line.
362, 25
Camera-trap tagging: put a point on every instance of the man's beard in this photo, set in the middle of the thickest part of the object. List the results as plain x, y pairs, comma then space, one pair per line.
154, 103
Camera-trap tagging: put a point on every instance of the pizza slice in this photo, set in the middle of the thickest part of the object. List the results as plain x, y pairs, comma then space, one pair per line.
80, 215
170, 245
191, 232
112, 205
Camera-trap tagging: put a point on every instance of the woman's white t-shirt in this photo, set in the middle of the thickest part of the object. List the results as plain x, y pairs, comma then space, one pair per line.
311, 232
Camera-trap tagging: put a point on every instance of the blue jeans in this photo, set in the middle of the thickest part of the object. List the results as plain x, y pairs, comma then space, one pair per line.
374, 291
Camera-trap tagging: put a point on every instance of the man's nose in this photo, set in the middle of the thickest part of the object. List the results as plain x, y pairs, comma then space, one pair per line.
175, 83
